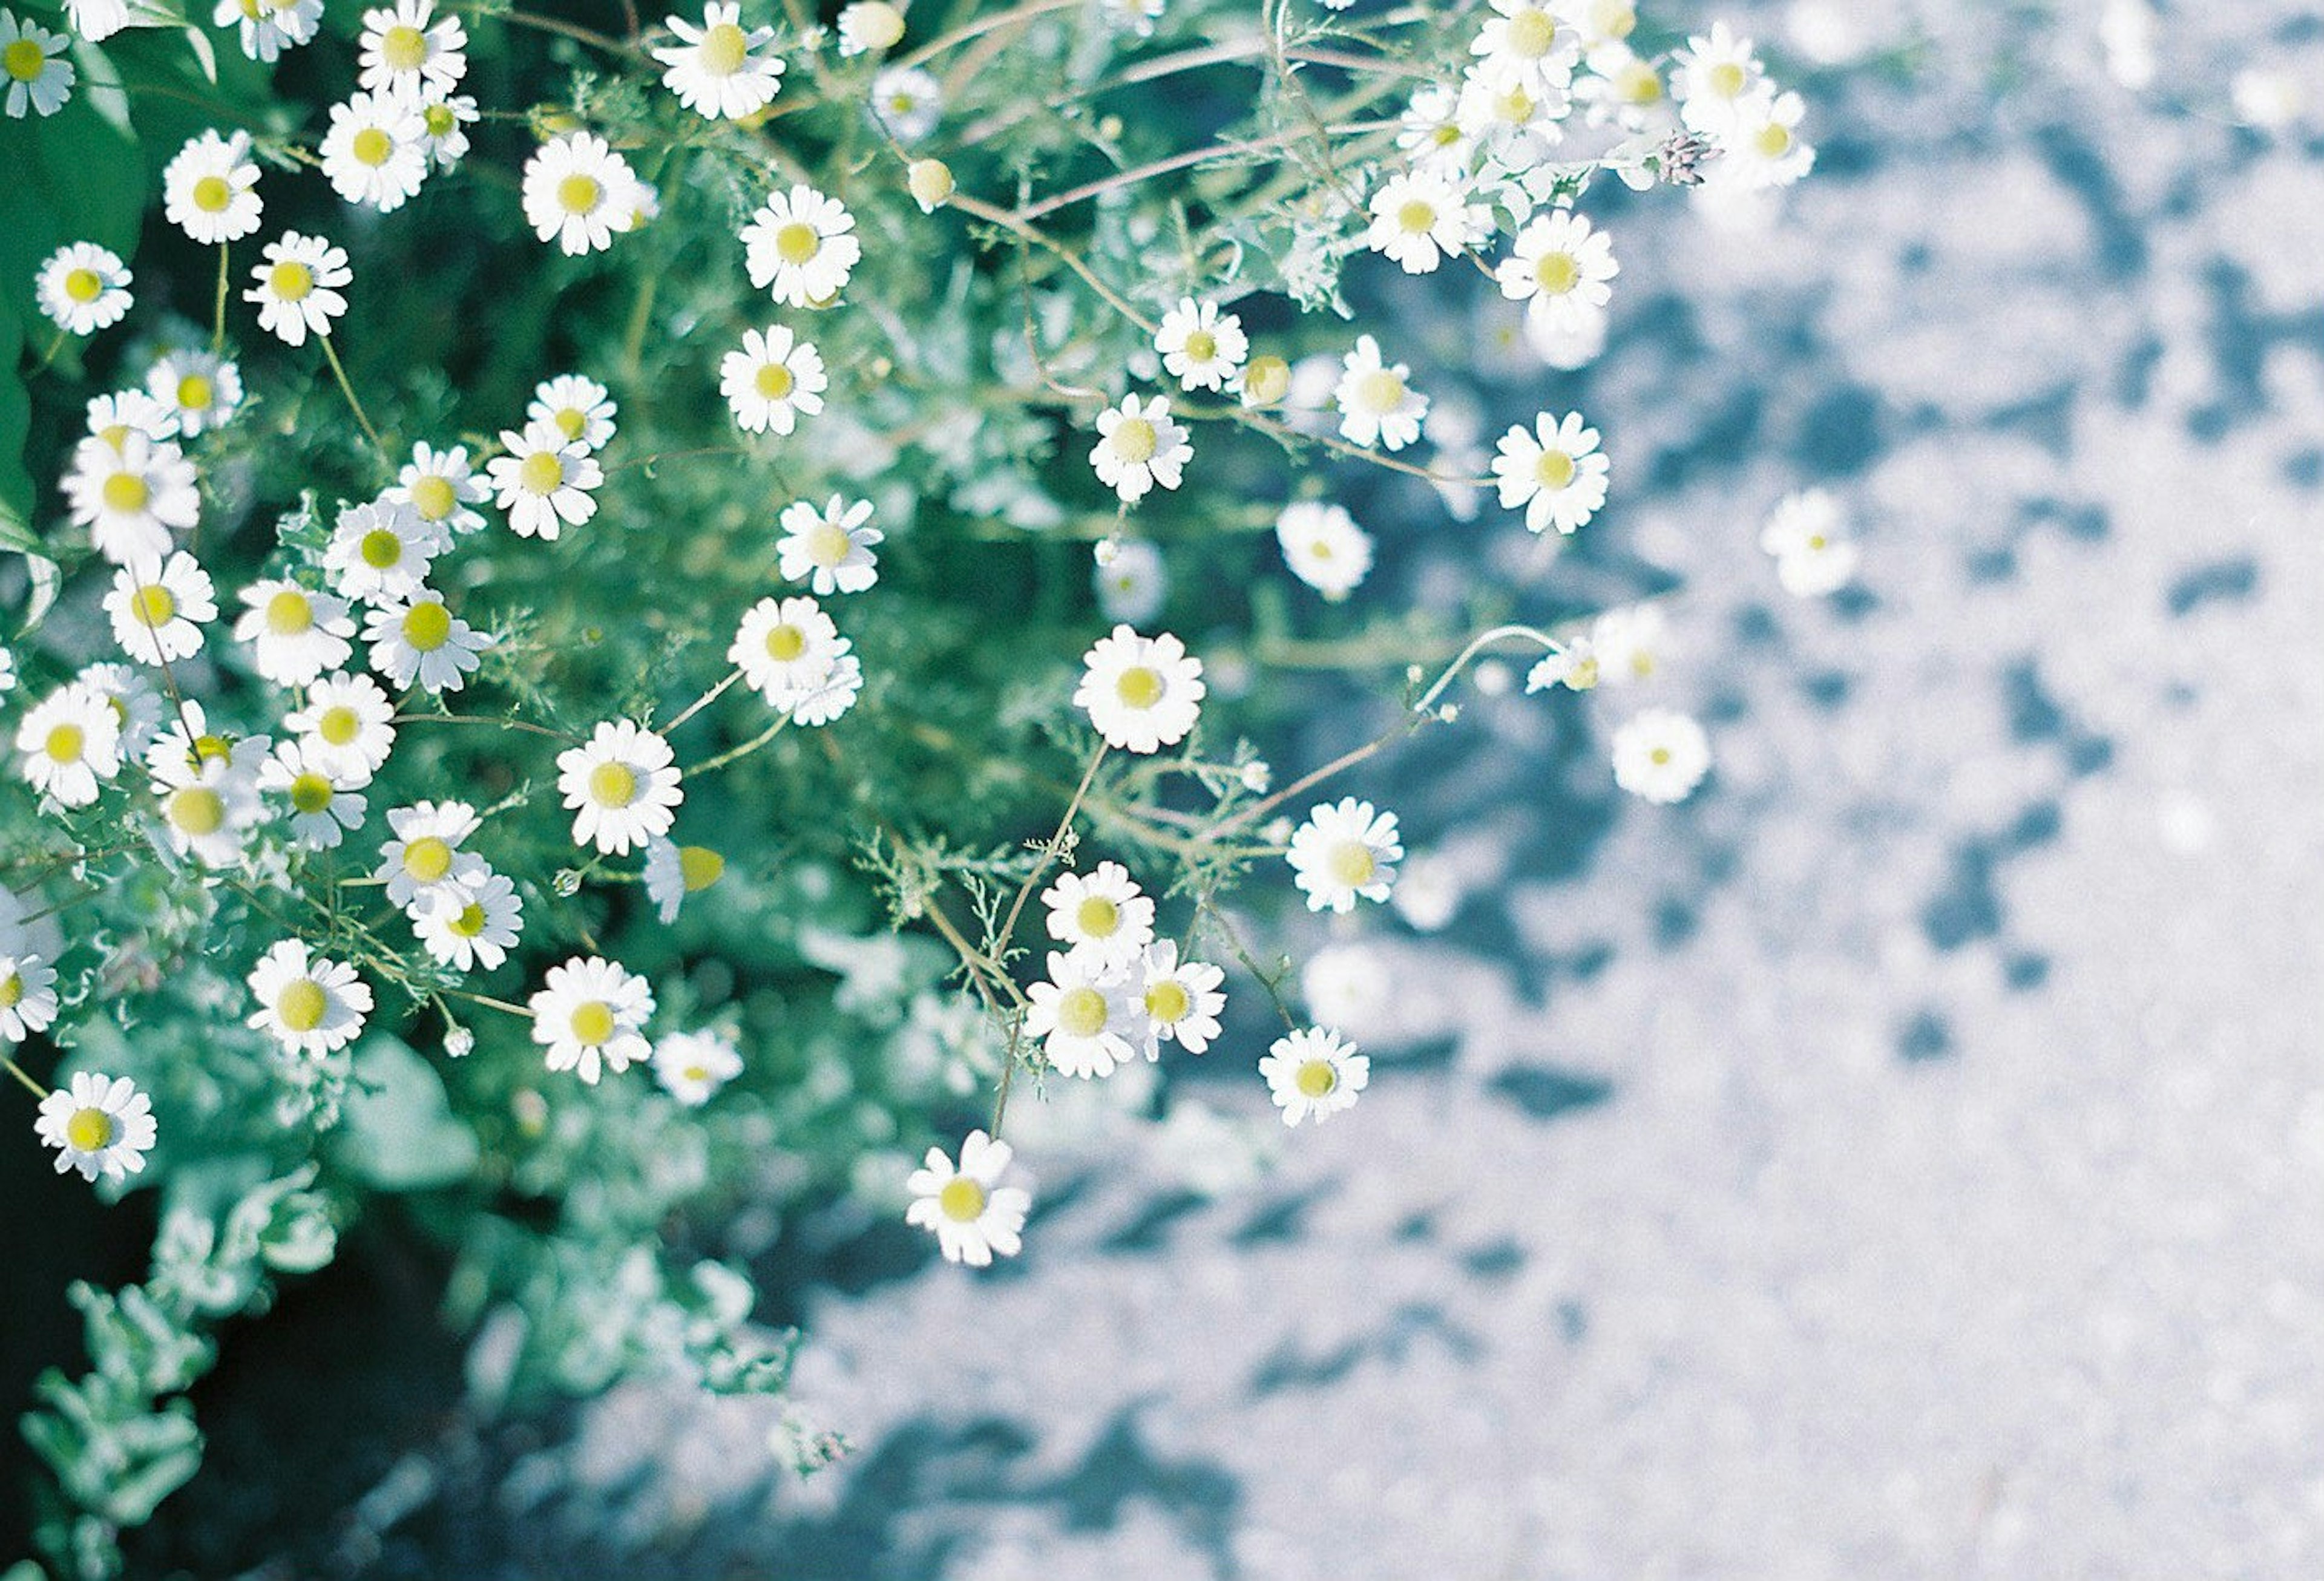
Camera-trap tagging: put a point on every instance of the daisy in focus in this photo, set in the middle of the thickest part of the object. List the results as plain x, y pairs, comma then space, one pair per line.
1200, 347
581, 411
590, 1015
100, 1126
1314, 1074
1377, 406
801, 247
721, 68
967, 1208
1182, 1000
1420, 218
544, 481
1343, 852
623, 787
830, 549
580, 194
1102, 917
1553, 472
426, 856
422, 640
406, 51
1559, 270
83, 288
1087, 1017
210, 190
28, 996
308, 1003
157, 609
471, 922
1139, 445
772, 382
1142, 693
297, 293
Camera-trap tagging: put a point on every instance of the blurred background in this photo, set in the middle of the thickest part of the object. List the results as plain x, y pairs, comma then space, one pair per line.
1902, 1160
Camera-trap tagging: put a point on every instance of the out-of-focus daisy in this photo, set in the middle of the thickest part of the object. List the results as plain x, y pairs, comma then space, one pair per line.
33, 71
1808, 538
1661, 756
1377, 406
869, 25
692, 1066
969, 1211
1132, 581
1323, 547
907, 101
132, 496
1712, 76
201, 388
443, 123
580, 409
269, 27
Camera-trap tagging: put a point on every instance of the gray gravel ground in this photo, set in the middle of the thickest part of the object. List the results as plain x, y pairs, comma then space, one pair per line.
1901, 1161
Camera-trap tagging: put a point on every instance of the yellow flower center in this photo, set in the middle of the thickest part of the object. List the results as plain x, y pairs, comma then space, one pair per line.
152, 605
1166, 1001
1554, 470
1081, 1012
1639, 84
1557, 273
1098, 917
12, 992
572, 422
338, 725
84, 285
1380, 391
438, 119
1775, 140
961, 1200
1660, 757
126, 492
427, 858
785, 643
724, 48
427, 627
64, 743
593, 1022
1614, 18
612, 784
373, 147
403, 48
197, 810
302, 1005
212, 750
773, 381
1532, 33
1201, 346
1514, 104
310, 793
381, 548
1134, 440
195, 392
290, 281
289, 614
1140, 687
88, 1130
699, 867
1416, 218
212, 195
797, 241
579, 194
828, 545
1353, 864
1316, 1078
470, 922
1726, 79
543, 473
1267, 381
433, 498
24, 60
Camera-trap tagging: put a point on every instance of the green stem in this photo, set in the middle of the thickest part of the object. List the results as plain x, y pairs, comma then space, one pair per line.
338, 370
31, 1085
744, 750
217, 325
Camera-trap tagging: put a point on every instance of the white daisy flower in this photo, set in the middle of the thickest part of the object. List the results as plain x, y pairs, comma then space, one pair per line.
441, 487
1139, 445
1314, 1073
579, 194
1141, 694
1131, 582
136, 705
101, 1126
1182, 1000
1343, 851
1573, 665
721, 68
443, 123
70, 742
309, 1004
1762, 147
969, 1211
97, 20
28, 995
675, 871
1102, 917
830, 549
801, 246
1661, 756
210, 188
1712, 76
544, 480
1200, 347
201, 388
268, 27
346, 725
473, 921
1602, 21
1531, 38
32, 67
132, 496
1377, 406
829, 694
592, 1012
1560, 270
186, 745
1553, 470
323, 806
409, 52
1089, 1020
83, 288
376, 150
158, 608
869, 25
1431, 138
424, 641
1323, 547
623, 787
380, 552
580, 409
1808, 538
1631, 642
692, 1066
294, 635
773, 380
112, 417
784, 646
298, 289
425, 854
907, 101
7, 672
1421, 219
207, 789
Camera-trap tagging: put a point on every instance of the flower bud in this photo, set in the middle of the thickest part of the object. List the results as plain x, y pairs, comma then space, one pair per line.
872, 24
1266, 381
931, 184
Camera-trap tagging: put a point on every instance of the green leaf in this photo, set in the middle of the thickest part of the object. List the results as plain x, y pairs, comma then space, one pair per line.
399, 1134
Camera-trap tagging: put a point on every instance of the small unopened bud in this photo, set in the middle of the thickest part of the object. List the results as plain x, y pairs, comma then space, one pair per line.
872, 24
459, 1042
1266, 381
1682, 159
931, 184
699, 867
